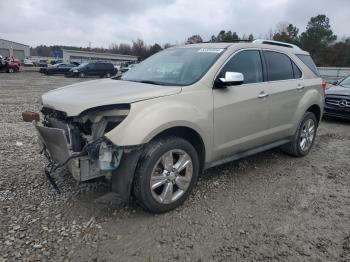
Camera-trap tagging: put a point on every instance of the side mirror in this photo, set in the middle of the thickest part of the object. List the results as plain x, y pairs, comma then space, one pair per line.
230, 79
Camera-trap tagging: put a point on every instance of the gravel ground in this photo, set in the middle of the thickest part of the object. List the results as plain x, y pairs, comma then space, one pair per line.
268, 207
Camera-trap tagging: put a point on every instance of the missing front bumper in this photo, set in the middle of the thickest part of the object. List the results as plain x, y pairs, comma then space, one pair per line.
98, 158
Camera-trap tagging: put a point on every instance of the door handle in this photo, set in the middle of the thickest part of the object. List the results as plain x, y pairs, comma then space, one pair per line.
300, 87
263, 94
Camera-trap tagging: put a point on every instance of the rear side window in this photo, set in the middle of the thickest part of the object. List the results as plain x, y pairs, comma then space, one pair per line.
248, 63
104, 66
279, 66
307, 60
100, 66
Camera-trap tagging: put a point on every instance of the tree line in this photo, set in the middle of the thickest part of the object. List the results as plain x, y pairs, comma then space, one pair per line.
318, 39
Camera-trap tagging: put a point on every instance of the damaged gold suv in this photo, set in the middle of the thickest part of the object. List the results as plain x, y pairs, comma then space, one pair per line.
151, 131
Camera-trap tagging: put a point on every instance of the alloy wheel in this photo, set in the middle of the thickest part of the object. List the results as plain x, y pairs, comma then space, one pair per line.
171, 176
307, 134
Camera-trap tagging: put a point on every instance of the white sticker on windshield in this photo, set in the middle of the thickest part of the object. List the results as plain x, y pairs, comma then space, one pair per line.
210, 50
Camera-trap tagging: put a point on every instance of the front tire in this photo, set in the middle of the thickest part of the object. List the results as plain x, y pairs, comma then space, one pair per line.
81, 75
10, 70
304, 137
166, 174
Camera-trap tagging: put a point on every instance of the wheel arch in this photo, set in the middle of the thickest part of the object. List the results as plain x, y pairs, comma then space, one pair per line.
311, 101
190, 135
316, 110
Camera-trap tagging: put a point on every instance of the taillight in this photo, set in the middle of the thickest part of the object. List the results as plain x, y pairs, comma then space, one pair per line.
324, 84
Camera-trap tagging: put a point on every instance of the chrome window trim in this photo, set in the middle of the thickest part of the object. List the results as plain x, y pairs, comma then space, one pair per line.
231, 56
278, 51
259, 49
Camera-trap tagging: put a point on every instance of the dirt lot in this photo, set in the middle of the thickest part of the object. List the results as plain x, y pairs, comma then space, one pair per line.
269, 207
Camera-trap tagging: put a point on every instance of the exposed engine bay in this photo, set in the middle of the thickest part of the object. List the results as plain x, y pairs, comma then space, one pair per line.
79, 141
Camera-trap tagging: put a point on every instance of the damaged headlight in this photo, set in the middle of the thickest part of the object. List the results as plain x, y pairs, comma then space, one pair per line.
98, 121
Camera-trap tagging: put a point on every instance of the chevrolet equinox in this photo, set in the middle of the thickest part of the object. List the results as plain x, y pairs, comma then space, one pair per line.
151, 131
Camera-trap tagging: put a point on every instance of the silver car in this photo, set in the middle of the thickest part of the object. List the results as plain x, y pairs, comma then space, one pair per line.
151, 131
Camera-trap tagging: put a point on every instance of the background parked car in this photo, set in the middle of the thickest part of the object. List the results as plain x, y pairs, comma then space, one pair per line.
58, 69
8, 66
337, 99
100, 69
41, 63
28, 62
15, 61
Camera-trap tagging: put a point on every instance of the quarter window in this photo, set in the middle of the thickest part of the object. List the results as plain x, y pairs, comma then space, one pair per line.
307, 60
279, 66
247, 62
296, 70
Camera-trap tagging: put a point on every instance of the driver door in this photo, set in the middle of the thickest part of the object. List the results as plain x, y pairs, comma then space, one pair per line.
241, 112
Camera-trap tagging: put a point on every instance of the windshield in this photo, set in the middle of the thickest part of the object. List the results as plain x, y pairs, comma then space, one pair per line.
345, 82
178, 66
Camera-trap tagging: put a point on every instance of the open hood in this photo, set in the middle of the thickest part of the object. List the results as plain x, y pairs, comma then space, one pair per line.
76, 98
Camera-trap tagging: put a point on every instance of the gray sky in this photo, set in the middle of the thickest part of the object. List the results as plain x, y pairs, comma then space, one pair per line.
102, 22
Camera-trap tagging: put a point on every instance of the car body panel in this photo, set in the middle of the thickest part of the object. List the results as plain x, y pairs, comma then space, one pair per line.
76, 98
228, 120
338, 90
232, 131
191, 108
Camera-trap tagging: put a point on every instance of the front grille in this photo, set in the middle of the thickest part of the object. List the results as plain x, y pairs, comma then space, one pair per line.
338, 102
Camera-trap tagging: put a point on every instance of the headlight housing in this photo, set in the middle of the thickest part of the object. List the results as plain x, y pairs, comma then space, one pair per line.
98, 121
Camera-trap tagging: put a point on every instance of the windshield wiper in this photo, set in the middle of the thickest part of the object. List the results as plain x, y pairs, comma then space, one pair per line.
151, 82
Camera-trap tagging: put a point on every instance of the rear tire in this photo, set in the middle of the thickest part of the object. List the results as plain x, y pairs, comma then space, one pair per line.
10, 70
81, 75
108, 75
304, 137
166, 174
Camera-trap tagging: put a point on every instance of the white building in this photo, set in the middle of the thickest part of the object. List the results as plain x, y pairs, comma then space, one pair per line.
17, 50
83, 56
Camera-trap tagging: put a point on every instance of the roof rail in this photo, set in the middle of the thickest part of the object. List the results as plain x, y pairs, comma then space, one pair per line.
278, 43
232, 41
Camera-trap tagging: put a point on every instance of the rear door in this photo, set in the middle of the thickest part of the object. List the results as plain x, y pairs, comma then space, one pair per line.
91, 69
285, 89
241, 112
100, 69
105, 69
